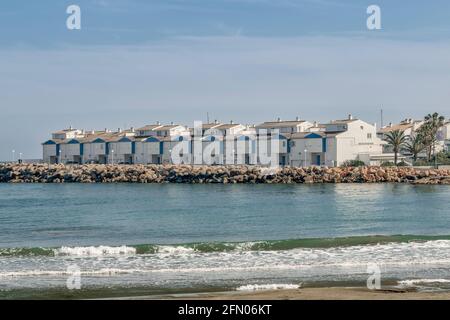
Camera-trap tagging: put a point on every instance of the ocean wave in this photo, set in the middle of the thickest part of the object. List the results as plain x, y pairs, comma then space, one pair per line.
95, 251
255, 287
211, 247
33, 273
412, 282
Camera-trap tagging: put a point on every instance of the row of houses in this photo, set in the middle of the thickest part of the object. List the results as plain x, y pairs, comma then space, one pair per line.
293, 142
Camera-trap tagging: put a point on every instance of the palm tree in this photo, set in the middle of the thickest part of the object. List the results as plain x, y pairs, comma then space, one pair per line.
414, 145
396, 139
429, 130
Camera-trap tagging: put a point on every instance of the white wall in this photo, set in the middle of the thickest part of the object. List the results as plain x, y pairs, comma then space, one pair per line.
298, 146
92, 151
69, 151
145, 151
121, 149
48, 150
360, 138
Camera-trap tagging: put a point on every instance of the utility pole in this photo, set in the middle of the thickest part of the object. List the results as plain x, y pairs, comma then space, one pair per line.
381, 118
207, 117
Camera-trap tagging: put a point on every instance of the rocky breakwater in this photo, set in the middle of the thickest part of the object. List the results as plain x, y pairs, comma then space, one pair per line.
95, 173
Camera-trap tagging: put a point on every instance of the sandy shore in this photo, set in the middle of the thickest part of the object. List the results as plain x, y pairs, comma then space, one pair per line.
338, 293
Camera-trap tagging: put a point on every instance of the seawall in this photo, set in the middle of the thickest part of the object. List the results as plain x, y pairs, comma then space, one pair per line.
95, 173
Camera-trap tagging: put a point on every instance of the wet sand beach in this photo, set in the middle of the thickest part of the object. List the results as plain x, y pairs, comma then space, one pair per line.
332, 293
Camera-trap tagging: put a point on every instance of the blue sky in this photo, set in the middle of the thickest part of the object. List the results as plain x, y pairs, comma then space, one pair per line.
136, 62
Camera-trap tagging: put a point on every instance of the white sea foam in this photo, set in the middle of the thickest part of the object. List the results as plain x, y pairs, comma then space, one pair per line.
174, 250
430, 259
95, 251
254, 287
412, 282
99, 272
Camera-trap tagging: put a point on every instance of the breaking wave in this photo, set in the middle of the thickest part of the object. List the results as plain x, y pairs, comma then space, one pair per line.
207, 247
255, 287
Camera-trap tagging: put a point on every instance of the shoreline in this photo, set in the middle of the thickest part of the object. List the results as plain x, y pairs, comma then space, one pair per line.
234, 174
322, 293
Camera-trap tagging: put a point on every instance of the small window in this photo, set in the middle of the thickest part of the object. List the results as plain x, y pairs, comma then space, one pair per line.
362, 127
292, 143
284, 143
369, 136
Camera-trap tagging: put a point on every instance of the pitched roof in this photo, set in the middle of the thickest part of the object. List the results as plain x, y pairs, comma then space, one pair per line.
306, 135
53, 141
168, 127
227, 126
280, 124
149, 127
206, 126
65, 131
396, 127
343, 121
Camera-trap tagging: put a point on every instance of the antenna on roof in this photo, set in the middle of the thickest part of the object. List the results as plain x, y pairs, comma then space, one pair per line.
207, 117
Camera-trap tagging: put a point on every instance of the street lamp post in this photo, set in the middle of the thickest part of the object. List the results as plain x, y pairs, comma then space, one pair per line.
305, 155
60, 157
234, 157
170, 156
13, 155
112, 156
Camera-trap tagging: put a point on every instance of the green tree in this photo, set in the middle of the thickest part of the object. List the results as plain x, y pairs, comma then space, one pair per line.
414, 145
428, 131
397, 140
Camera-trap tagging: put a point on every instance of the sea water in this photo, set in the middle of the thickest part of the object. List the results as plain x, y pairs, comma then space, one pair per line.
133, 239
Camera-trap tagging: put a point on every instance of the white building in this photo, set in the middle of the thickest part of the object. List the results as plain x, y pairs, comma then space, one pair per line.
337, 142
285, 127
95, 147
277, 134
69, 133
311, 148
352, 139
154, 144
121, 150
160, 130
51, 152
295, 143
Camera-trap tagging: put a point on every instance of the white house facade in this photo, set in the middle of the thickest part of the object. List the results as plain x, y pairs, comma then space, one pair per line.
276, 143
